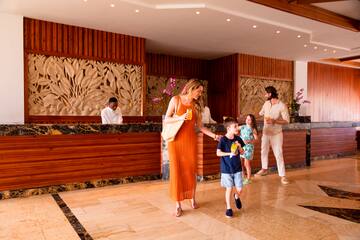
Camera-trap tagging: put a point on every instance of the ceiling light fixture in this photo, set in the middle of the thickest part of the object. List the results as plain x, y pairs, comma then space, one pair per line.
305, 45
137, 10
278, 31
315, 47
325, 50
197, 12
254, 26
298, 36
334, 51
112, 5
85, 0
228, 19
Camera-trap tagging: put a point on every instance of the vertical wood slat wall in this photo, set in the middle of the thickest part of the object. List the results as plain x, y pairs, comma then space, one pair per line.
223, 87
334, 93
166, 65
264, 67
224, 79
55, 39
71, 41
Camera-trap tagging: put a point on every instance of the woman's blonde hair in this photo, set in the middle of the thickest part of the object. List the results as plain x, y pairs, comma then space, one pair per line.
191, 86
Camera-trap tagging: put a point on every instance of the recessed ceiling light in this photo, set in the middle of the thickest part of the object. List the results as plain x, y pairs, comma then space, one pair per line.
197, 12
325, 50
137, 10
112, 5
305, 45
298, 36
315, 47
85, 0
254, 26
228, 19
278, 31
334, 51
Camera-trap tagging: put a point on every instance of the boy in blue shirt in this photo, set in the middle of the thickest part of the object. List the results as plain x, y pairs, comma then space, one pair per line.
229, 149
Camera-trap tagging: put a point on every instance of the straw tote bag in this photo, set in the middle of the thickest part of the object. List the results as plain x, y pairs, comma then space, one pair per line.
169, 130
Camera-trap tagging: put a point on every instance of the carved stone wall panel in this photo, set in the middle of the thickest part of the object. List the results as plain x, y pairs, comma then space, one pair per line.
77, 87
157, 101
252, 91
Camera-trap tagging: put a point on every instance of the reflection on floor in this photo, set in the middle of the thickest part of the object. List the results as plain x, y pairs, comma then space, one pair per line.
321, 202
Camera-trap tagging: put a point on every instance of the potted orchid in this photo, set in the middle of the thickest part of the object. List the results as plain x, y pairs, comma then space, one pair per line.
296, 103
167, 92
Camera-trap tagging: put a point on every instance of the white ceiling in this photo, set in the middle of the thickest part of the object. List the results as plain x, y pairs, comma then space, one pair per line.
349, 8
172, 26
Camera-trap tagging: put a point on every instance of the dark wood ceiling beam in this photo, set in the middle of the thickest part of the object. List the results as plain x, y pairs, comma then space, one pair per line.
313, 1
344, 59
313, 12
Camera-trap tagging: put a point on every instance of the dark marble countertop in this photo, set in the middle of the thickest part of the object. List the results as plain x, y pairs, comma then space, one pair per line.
60, 129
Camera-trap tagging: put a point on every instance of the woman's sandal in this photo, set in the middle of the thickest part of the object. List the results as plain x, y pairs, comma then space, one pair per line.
178, 212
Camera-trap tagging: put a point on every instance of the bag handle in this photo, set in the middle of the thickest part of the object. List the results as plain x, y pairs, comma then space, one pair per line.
177, 104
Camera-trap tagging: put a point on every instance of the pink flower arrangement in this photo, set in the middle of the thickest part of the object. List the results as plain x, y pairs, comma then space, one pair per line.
167, 91
170, 86
299, 96
298, 101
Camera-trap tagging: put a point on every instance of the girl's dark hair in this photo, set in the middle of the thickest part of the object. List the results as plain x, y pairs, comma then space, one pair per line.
253, 122
272, 90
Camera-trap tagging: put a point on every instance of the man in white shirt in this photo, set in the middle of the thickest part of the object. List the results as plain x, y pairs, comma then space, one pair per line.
111, 114
206, 116
275, 115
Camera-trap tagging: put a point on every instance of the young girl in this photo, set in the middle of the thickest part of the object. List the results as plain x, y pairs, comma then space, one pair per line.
249, 134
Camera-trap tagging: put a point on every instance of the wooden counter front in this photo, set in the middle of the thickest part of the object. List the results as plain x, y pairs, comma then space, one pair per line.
46, 155
327, 142
45, 160
294, 149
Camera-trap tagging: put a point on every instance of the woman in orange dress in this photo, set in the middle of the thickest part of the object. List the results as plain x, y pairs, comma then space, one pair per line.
183, 149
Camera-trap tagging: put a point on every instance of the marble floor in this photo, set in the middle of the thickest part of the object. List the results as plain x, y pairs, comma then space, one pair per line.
322, 202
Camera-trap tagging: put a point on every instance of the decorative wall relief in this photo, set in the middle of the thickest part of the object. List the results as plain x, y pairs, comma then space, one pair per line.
78, 87
157, 100
252, 91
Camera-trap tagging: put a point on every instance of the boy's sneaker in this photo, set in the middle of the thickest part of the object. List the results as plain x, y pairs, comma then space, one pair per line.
229, 213
237, 202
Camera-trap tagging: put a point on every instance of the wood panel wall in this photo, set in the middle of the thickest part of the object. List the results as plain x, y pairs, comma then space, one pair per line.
223, 87
294, 150
333, 141
181, 67
334, 93
224, 79
264, 67
35, 161
55, 39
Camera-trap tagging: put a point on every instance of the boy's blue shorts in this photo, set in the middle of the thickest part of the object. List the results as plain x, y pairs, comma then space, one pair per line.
229, 180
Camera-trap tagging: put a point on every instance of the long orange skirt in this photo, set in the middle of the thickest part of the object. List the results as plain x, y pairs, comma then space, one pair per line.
183, 161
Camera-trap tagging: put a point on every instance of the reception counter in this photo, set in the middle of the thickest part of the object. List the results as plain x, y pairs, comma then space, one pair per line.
39, 159
65, 157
